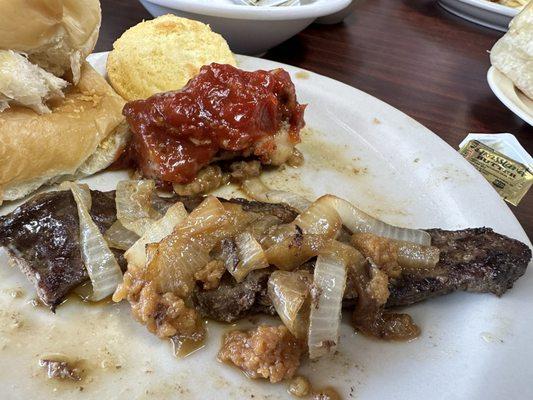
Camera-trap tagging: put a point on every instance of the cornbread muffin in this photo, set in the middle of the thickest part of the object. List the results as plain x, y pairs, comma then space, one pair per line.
163, 54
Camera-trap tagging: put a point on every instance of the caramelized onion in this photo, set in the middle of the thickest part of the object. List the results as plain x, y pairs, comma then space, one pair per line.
134, 205
351, 256
204, 219
208, 179
101, 265
295, 250
136, 254
180, 264
320, 219
251, 256
299, 203
289, 291
329, 282
353, 218
360, 222
413, 256
396, 256
119, 237
257, 190
278, 233
181, 254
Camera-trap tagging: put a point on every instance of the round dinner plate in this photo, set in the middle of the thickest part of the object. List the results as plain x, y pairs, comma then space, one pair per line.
482, 12
473, 346
514, 99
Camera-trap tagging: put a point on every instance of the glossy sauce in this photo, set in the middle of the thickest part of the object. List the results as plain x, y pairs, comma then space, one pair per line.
175, 134
185, 346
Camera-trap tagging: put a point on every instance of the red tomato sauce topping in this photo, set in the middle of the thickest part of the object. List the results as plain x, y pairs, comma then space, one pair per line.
223, 108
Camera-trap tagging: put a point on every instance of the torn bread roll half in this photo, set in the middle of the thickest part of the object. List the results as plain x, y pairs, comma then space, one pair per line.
43, 44
513, 53
56, 35
84, 133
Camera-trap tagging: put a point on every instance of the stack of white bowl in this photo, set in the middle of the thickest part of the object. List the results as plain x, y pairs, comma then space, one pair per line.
254, 29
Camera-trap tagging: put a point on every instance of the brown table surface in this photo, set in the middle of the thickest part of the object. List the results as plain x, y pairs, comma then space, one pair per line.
411, 54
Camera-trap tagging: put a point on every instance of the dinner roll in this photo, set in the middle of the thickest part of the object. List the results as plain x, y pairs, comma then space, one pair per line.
57, 35
84, 133
513, 53
163, 54
26, 84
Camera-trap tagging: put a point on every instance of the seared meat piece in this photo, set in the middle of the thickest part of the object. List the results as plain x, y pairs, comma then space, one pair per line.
475, 260
42, 237
232, 301
285, 213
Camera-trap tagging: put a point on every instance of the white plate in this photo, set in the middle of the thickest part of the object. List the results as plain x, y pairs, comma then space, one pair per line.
514, 99
249, 30
482, 12
472, 346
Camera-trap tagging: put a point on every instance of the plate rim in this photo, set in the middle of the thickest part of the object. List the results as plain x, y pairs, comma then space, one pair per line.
506, 101
489, 6
235, 11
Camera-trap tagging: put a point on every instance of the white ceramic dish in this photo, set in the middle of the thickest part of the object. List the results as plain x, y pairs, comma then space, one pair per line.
482, 12
338, 16
475, 347
249, 30
514, 99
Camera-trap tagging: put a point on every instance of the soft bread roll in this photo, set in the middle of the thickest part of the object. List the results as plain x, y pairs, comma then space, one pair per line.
55, 34
84, 133
26, 84
163, 54
513, 53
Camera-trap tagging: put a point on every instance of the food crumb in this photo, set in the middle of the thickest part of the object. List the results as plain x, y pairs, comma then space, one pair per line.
267, 352
326, 394
299, 386
359, 171
302, 75
15, 292
376, 121
416, 160
35, 303
62, 370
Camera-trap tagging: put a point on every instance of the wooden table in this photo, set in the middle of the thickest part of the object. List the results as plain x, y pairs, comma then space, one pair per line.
409, 53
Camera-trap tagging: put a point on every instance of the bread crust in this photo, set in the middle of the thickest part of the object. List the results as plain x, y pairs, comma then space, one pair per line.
55, 34
37, 148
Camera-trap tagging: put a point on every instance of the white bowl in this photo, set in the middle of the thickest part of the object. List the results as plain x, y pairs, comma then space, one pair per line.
514, 99
338, 16
482, 12
249, 30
